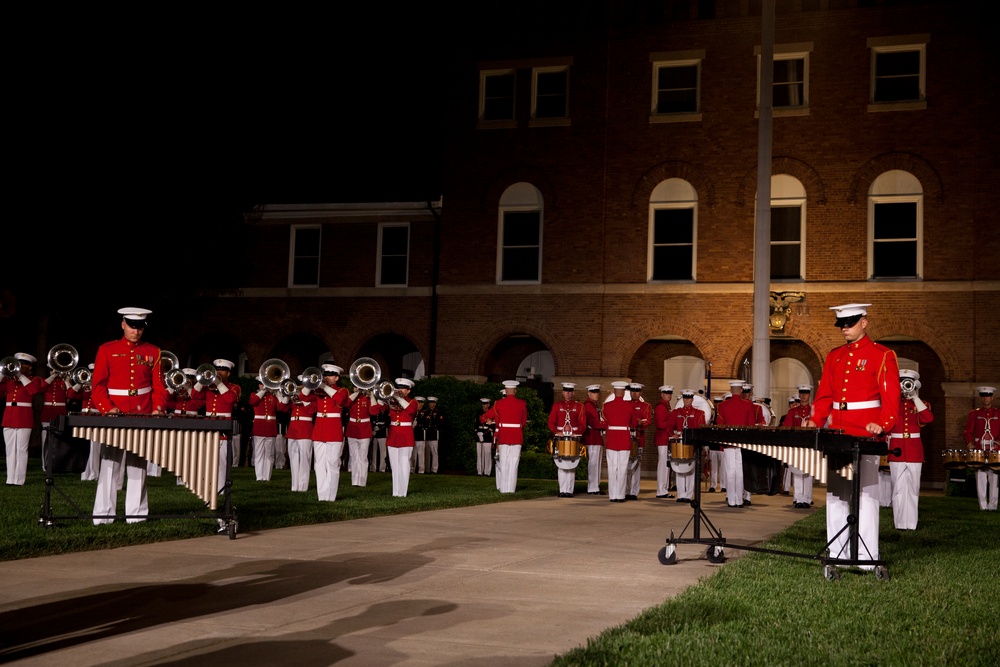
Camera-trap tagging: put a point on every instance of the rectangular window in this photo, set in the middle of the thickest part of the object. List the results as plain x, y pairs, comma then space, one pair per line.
393, 254
676, 87
496, 95
786, 242
521, 246
790, 77
550, 92
898, 72
673, 244
303, 269
894, 241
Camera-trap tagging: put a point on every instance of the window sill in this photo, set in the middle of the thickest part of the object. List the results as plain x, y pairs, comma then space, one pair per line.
549, 122
916, 105
779, 112
496, 125
674, 118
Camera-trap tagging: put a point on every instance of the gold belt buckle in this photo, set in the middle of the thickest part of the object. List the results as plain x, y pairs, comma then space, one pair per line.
396, 423
906, 435
843, 405
133, 392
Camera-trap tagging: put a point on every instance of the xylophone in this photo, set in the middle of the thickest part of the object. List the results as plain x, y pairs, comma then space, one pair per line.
185, 446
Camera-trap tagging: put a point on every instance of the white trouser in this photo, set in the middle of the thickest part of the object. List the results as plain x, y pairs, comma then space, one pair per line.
786, 479
986, 488
595, 460
44, 436
358, 462
17, 440
617, 463
420, 456
234, 448
280, 452
733, 461
377, 462
225, 449
802, 486
299, 462
510, 459
838, 497
716, 468
399, 461
484, 458
663, 470
884, 488
905, 493
93, 467
566, 472
326, 461
632, 476
432, 453
263, 457
684, 471
114, 462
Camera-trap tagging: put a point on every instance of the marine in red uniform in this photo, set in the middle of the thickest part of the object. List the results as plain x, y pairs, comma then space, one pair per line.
359, 434
644, 419
802, 483
19, 387
735, 411
661, 438
686, 416
567, 420
81, 392
859, 394
399, 442
57, 386
511, 416
619, 419
328, 430
982, 432
220, 398
299, 436
266, 405
593, 439
905, 468
126, 380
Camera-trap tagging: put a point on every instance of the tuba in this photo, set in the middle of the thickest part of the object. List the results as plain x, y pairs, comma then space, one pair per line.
365, 373
273, 373
63, 358
169, 362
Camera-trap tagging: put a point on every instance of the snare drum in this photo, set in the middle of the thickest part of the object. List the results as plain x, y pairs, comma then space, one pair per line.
567, 446
975, 458
681, 452
883, 463
993, 459
954, 458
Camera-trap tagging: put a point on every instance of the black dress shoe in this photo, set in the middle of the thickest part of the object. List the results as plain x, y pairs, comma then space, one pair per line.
664, 495
631, 497
723, 489
731, 505
711, 489
747, 503
593, 493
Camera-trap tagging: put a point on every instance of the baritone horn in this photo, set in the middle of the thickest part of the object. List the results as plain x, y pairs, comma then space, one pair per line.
205, 375
273, 373
312, 378
63, 358
169, 362
365, 373
81, 376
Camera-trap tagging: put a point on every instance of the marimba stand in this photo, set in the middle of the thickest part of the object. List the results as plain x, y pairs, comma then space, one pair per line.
716, 542
58, 431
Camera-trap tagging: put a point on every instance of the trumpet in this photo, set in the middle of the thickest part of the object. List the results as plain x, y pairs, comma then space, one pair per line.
10, 367
908, 385
205, 375
312, 378
63, 358
289, 389
81, 376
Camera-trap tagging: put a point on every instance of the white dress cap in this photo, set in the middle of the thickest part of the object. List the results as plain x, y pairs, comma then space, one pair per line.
419, 399
618, 384
24, 356
805, 388
432, 399
223, 363
593, 387
568, 386
687, 393
332, 368
847, 311
134, 313
189, 371
908, 373
728, 394
986, 391
635, 386
792, 399
736, 383
404, 382
667, 389
511, 384
484, 400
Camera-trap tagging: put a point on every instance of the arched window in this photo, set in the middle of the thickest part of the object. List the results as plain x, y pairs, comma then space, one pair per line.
788, 228
895, 226
519, 252
673, 231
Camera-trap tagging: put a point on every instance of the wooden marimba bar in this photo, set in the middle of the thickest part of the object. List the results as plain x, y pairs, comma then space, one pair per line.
185, 446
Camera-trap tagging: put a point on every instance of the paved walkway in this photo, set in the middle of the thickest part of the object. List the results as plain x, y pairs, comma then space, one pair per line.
513, 583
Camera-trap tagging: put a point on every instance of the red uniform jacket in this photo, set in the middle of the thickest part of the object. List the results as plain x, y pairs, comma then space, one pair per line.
511, 415
593, 435
300, 424
85, 398
980, 422
328, 425
663, 423
401, 425
644, 412
19, 412
359, 417
908, 426
127, 376
219, 404
683, 418
619, 418
266, 407
567, 418
56, 394
796, 415
860, 372
187, 405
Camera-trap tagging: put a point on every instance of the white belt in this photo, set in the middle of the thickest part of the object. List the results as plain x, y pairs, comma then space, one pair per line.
219, 414
19, 405
618, 428
509, 425
56, 404
332, 415
904, 435
359, 421
301, 419
130, 392
402, 423
858, 405
265, 417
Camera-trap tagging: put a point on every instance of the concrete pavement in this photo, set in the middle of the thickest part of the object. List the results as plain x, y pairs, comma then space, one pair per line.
513, 583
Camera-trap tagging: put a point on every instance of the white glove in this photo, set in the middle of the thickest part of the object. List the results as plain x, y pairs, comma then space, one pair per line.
306, 391
354, 396
77, 387
50, 378
23, 378
222, 388
283, 399
199, 386
260, 394
402, 402
921, 406
329, 390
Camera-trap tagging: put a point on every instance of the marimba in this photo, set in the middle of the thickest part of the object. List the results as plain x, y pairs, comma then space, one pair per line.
186, 446
822, 453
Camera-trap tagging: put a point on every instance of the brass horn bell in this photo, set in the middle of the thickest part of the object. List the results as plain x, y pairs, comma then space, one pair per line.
63, 358
365, 373
273, 373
